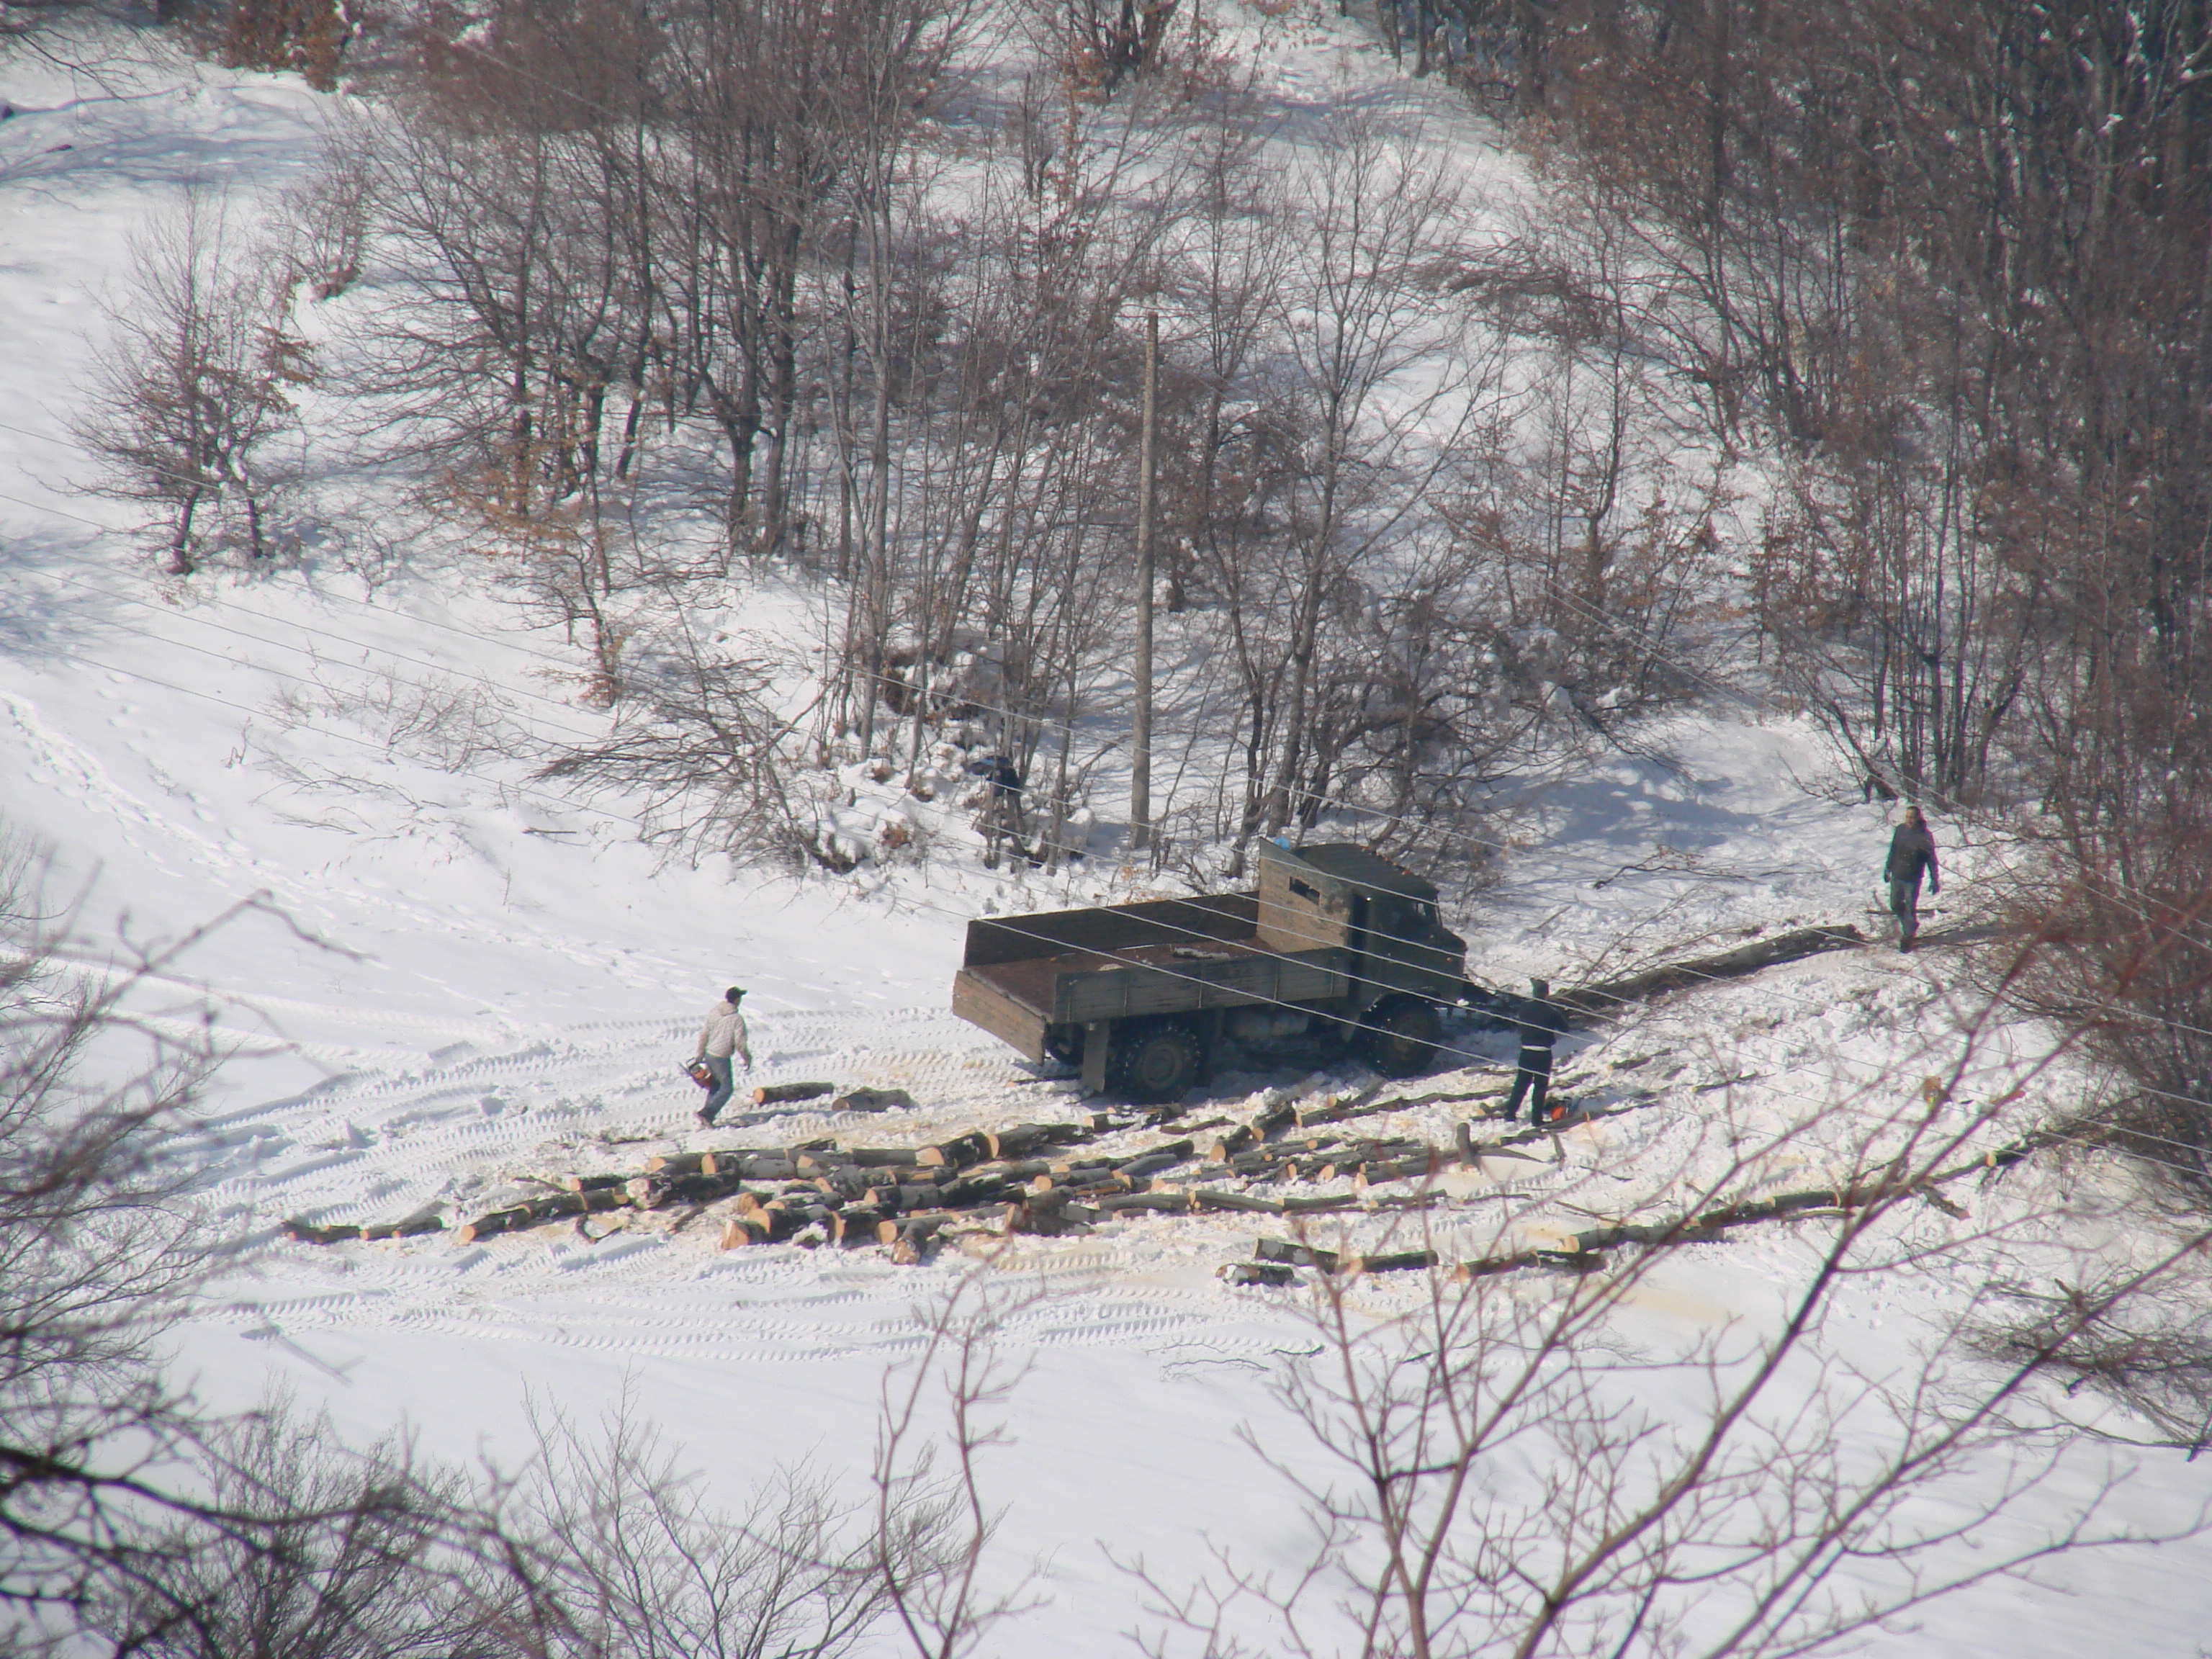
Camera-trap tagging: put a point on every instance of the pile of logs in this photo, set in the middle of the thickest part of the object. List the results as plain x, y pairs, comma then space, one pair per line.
1054, 1178
1036, 1178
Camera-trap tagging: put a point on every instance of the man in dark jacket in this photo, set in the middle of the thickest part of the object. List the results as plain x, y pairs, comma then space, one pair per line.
1912, 856
1540, 1021
1002, 815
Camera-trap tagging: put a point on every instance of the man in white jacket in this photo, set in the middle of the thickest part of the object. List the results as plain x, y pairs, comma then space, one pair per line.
723, 1037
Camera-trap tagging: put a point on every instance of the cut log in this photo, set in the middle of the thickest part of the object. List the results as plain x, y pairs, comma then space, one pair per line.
1293, 1254
903, 1196
1112, 1203
576, 1183
538, 1211
751, 1166
769, 1223
879, 1157
1026, 1169
308, 1233
415, 1226
1335, 1110
916, 1230
1320, 1202
1232, 1144
1418, 1167
1075, 1170
702, 1188
1023, 1139
675, 1164
779, 1094
1604, 997
499, 1221
741, 1230
873, 1100
1401, 1261
1152, 1163
785, 1219
972, 1190
1257, 1273
857, 1222
1213, 1198
957, 1154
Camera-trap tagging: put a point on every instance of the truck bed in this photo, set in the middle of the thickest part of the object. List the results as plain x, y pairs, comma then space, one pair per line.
1334, 928
1016, 1000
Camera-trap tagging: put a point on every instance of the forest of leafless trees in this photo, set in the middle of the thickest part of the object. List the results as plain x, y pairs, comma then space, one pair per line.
1431, 455
1853, 356
1857, 354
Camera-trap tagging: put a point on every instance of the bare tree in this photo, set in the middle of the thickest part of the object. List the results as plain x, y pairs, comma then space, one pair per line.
309, 36
319, 1553
933, 1524
717, 767
1373, 393
99, 1246
189, 390
1102, 43
2122, 905
604, 1548
1502, 1475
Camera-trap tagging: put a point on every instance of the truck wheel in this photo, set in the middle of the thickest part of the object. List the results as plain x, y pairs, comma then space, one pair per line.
1156, 1063
1400, 1035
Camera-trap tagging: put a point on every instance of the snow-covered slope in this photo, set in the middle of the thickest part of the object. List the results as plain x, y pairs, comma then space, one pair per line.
445, 981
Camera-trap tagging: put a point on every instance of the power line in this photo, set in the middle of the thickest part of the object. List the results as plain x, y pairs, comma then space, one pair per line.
1302, 795
1447, 1048
483, 680
571, 805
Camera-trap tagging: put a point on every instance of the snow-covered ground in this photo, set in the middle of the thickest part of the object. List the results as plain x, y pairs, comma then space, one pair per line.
448, 982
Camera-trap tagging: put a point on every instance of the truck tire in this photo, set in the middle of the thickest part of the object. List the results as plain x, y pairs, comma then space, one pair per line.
1156, 1061
1399, 1037
1065, 1043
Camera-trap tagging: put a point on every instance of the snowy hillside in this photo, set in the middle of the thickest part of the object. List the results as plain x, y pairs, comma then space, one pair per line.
445, 982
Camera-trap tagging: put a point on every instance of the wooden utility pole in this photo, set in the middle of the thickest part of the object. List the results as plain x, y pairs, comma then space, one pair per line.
1140, 739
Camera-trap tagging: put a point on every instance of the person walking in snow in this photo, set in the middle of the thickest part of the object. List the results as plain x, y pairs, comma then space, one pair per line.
1002, 814
723, 1037
1912, 856
1540, 1021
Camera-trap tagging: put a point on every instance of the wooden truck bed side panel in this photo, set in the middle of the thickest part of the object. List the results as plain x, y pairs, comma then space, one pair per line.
980, 1002
1180, 983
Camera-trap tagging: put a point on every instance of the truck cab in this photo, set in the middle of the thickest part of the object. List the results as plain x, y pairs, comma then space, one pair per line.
1338, 896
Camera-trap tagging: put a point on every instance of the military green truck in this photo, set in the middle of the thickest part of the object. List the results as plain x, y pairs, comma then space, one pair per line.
1339, 946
